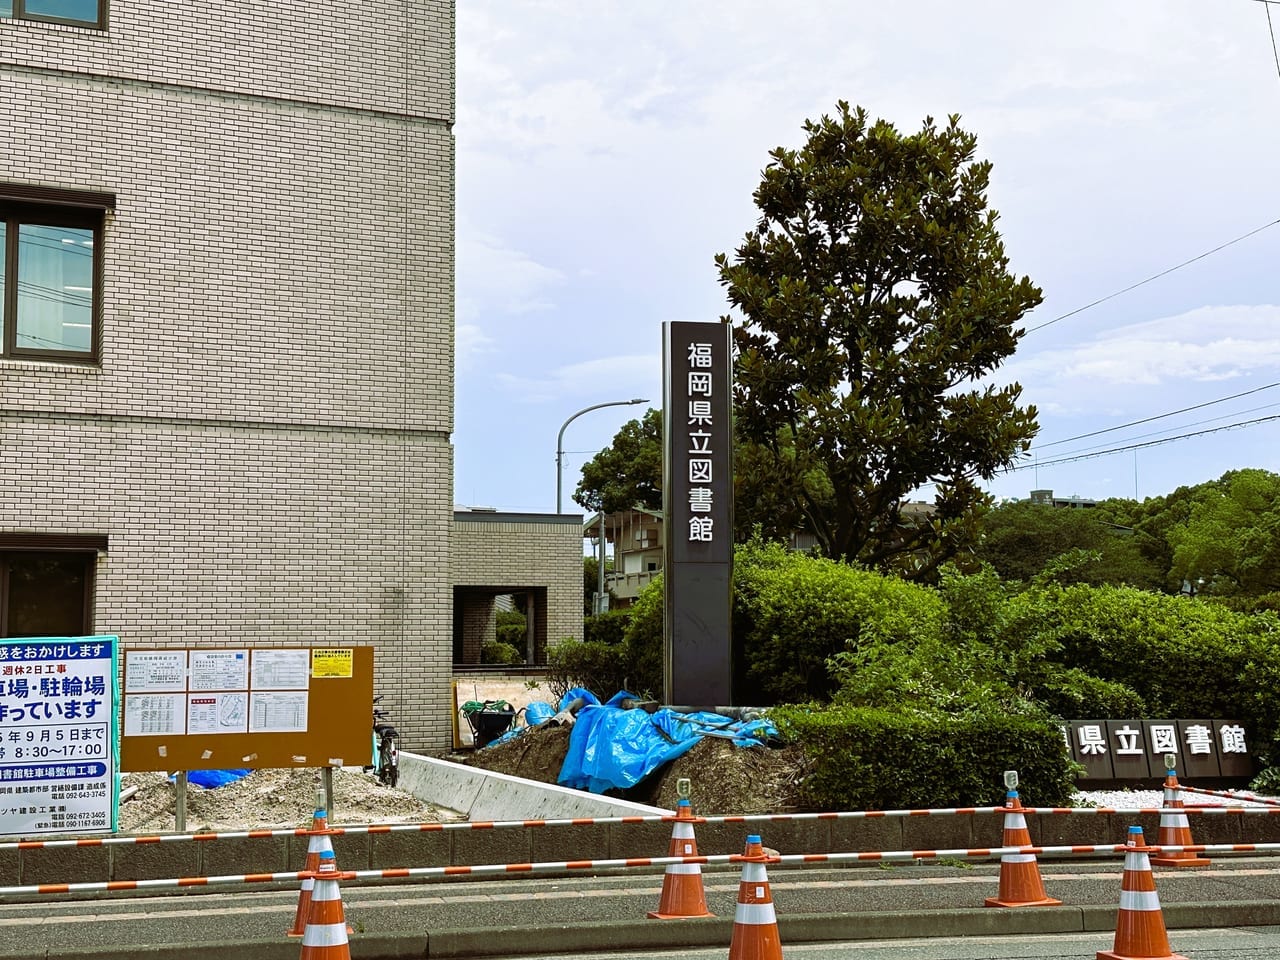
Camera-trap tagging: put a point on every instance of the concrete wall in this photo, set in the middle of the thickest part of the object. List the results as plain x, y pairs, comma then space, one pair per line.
265, 440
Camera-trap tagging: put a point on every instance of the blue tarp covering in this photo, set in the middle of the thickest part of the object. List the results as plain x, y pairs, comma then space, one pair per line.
613, 748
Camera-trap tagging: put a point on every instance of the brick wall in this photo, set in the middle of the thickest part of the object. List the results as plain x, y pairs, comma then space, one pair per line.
266, 438
521, 551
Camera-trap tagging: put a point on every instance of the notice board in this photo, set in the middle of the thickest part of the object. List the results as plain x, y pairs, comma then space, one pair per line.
241, 707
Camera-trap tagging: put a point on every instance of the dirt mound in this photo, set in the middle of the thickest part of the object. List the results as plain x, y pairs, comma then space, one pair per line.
269, 800
725, 779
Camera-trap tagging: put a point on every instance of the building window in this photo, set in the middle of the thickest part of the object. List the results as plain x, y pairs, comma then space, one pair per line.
45, 594
51, 279
80, 13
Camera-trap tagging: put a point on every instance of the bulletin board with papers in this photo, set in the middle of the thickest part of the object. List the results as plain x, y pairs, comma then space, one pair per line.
241, 707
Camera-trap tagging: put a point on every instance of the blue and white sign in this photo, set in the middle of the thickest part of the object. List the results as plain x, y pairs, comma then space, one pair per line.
58, 738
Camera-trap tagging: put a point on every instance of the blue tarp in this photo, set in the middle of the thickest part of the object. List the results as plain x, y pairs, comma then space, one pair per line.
613, 748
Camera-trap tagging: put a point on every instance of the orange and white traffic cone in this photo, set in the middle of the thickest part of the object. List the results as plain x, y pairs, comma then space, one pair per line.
755, 925
317, 842
1175, 830
1140, 933
1020, 883
326, 934
682, 894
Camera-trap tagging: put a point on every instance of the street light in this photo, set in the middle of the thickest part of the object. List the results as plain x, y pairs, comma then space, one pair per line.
560, 437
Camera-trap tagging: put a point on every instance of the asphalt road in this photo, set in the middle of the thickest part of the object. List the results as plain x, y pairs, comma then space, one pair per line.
1250, 943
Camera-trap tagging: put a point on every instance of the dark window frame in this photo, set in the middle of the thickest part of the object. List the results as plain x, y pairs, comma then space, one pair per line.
51, 209
90, 575
20, 13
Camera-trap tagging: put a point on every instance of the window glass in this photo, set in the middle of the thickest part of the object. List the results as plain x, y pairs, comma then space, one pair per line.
6, 8
55, 288
46, 595
85, 11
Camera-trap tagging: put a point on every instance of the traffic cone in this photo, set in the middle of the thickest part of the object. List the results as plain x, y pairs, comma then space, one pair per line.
326, 934
682, 894
1020, 883
1140, 933
755, 926
1175, 831
317, 842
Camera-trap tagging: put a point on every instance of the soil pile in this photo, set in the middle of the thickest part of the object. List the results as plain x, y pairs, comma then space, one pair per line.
269, 800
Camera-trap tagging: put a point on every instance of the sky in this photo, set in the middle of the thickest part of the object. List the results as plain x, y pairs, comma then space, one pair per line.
607, 151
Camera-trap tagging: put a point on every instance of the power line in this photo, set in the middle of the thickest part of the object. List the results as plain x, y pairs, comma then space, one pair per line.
1271, 30
1183, 426
1156, 276
1161, 416
1139, 446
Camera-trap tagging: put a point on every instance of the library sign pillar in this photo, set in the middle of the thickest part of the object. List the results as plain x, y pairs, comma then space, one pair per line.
697, 365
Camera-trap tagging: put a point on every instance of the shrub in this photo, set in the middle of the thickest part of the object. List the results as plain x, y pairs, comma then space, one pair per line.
643, 643
607, 627
511, 628
793, 612
598, 667
874, 759
497, 652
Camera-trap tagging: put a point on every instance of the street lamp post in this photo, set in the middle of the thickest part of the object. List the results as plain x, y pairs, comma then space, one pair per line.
560, 438
560, 474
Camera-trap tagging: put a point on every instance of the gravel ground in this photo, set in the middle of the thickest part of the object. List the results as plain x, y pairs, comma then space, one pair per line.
1127, 799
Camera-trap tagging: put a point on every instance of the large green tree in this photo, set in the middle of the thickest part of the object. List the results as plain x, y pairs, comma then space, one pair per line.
874, 295
628, 472
1020, 539
1230, 542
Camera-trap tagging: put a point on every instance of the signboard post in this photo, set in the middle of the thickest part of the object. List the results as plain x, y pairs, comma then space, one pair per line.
698, 493
58, 735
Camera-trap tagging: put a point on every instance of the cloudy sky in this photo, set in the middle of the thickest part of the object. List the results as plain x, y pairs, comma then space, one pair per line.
607, 151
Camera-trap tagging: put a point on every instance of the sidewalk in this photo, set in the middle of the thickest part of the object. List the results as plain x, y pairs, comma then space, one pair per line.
565, 915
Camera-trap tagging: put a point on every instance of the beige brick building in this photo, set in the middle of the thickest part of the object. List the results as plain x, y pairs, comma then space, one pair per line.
226, 370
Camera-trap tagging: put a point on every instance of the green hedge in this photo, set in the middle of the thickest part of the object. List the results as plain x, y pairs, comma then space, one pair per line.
873, 759
792, 612
497, 652
1184, 657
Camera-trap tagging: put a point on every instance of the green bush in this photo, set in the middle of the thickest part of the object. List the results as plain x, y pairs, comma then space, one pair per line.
497, 652
511, 628
793, 612
874, 759
607, 627
1184, 658
598, 667
643, 643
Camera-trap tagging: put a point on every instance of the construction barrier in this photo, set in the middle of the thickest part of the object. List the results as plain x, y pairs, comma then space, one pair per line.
561, 866
1240, 796
385, 828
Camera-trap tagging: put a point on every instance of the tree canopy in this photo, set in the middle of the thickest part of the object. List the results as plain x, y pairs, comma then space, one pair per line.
628, 472
874, 295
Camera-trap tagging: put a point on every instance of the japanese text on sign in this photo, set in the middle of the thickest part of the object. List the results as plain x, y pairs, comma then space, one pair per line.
701, 468
57, 756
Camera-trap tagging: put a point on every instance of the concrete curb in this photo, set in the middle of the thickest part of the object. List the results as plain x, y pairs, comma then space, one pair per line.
466, 944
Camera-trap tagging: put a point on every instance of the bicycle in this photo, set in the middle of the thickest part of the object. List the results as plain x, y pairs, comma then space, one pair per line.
386, 748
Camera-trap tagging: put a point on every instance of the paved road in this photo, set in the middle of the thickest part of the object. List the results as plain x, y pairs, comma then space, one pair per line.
1252, 943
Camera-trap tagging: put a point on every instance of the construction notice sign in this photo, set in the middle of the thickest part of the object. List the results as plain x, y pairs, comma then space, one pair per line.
239, 707
58, 701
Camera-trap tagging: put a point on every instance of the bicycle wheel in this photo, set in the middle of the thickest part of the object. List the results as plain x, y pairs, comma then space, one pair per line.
389, 758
